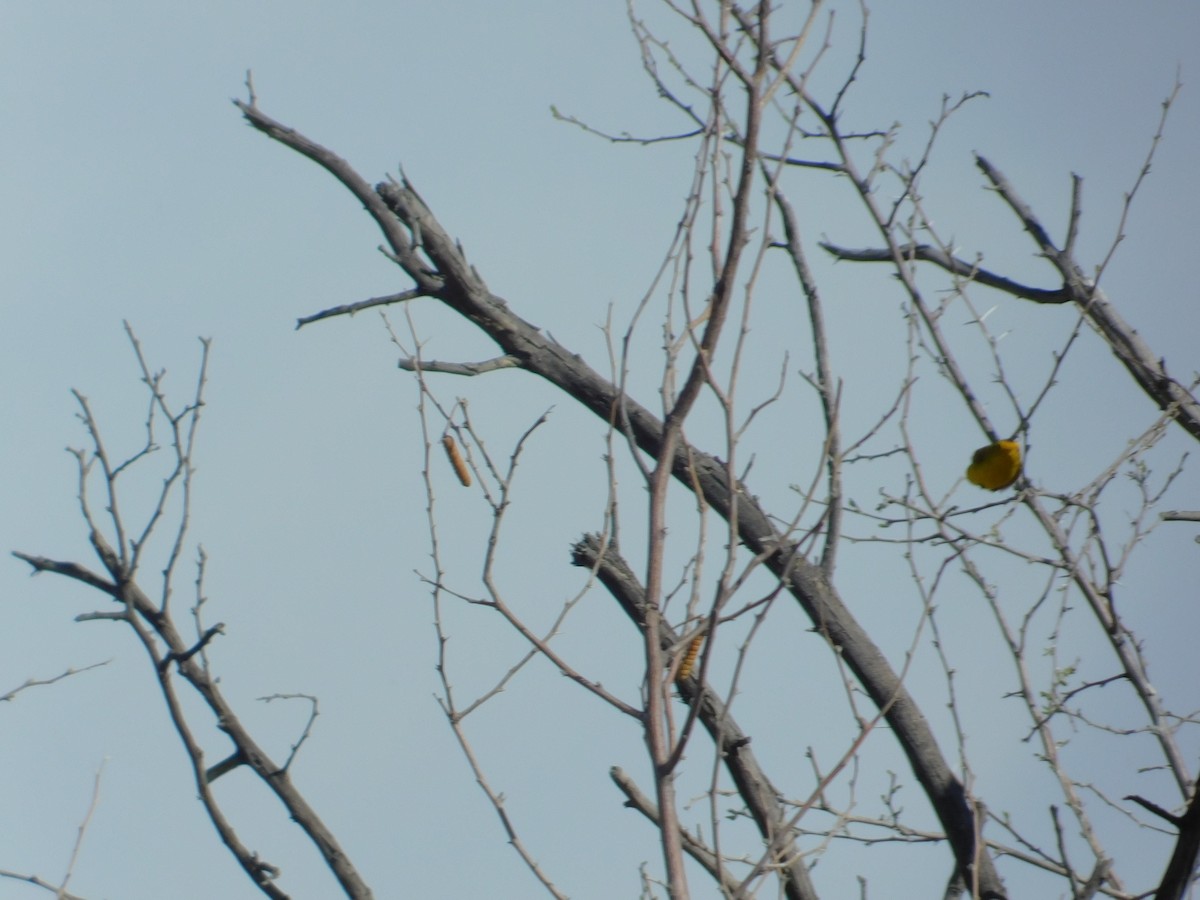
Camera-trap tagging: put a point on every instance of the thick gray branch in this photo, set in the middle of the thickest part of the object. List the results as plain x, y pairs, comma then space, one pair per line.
733, 745
461, 288
1181, 869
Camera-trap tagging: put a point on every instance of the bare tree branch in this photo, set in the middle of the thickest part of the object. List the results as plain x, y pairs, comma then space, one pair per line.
38, 682
692, 845
350, 309
1149, 371
953, 265
455, 368
1180, 873
734, 750
459, 286
41, 883
166, 648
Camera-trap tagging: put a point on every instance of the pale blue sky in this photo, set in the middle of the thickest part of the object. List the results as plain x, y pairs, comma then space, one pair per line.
133, 190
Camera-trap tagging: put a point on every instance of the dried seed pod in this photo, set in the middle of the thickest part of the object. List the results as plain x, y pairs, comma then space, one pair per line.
456, 460
689, 658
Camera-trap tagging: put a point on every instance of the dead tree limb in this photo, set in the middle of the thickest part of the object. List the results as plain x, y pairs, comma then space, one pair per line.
439, 269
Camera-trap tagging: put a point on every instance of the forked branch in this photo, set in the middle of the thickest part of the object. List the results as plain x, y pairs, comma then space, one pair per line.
451, 279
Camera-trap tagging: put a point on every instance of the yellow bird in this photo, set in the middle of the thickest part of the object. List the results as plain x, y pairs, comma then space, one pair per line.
995, 466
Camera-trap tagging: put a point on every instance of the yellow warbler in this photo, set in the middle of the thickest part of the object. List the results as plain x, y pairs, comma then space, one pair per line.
995, 466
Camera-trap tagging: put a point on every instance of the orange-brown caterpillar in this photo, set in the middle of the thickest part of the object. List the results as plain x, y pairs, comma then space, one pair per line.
689, 658
456, 460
